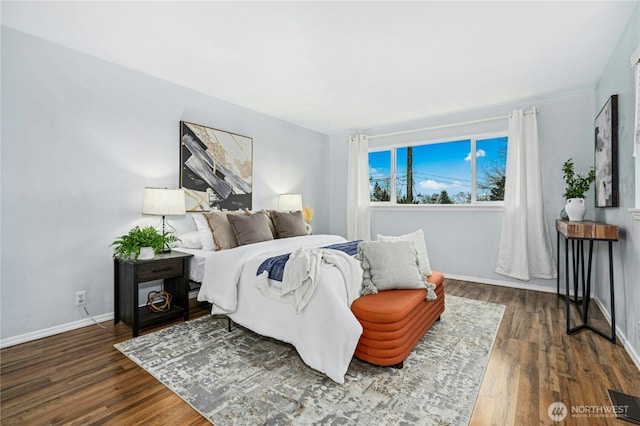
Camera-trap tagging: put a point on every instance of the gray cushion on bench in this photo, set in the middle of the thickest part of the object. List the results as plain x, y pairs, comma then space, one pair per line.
389, 265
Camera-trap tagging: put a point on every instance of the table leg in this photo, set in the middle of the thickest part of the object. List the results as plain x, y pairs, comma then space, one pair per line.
575, 256
566, 284
580, 248
116, 292
611, 289
586, 293
558, 262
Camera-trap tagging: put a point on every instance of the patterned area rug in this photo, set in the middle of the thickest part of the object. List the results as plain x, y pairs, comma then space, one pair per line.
241, 378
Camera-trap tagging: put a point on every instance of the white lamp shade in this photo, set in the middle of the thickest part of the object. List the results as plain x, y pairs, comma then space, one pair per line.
163, 202
290, 202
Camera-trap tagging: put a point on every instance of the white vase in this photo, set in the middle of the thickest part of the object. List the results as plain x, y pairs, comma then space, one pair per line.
575, 209
146, 253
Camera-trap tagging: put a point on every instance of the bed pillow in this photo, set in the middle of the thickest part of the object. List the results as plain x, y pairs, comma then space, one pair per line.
417, 238
223, 235
250, 229
190, 240
206, 237
389, 265
272, 227
289, 224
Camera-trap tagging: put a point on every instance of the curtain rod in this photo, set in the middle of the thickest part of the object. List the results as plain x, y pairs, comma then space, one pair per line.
444, 126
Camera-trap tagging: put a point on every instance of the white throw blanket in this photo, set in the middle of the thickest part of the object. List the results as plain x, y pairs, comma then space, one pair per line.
325, 333
300, 276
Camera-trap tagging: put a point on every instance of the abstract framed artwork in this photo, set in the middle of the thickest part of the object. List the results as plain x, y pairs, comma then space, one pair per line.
216, 168
606, 139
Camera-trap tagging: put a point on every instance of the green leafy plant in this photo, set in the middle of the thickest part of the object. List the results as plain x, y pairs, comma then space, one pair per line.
129, 245
577, 184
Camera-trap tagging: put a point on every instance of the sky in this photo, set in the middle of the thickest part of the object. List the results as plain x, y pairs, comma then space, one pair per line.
439, 166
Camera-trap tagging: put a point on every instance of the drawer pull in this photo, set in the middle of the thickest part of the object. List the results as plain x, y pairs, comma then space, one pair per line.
163, 269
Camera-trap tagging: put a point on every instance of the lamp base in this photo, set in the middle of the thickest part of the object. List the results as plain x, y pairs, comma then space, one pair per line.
166, 249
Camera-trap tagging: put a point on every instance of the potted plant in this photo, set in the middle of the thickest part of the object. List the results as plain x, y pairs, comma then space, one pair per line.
577, 185
141, 243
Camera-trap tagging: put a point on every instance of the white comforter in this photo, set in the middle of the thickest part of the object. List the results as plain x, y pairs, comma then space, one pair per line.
325, 333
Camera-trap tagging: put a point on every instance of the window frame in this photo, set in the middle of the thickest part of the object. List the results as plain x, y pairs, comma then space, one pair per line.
475, 204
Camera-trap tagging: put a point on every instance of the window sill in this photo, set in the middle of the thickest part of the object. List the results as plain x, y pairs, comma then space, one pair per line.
439, 207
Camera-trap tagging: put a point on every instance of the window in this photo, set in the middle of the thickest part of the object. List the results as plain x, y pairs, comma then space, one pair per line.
380, 175
466, 171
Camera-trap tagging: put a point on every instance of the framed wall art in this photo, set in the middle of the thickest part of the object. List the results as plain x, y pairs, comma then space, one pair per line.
606, 136
216, 168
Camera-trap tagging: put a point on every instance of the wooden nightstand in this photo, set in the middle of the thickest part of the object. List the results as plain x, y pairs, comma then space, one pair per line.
172, 267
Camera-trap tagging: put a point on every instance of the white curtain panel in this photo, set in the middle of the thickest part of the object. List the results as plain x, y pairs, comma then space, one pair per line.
636, 146
525, 248
358, 220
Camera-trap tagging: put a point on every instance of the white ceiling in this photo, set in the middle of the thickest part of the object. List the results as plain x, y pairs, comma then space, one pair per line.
332, 66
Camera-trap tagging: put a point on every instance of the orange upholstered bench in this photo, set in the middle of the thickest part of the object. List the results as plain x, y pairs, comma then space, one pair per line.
394, 321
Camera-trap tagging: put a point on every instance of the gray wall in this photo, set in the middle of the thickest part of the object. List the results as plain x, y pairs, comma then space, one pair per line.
463, 242
618, 78
81, 138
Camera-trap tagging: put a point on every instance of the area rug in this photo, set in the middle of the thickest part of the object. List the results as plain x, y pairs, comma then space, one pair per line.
241, 378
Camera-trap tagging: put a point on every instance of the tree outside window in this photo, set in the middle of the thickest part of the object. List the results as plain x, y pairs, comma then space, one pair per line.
467, 171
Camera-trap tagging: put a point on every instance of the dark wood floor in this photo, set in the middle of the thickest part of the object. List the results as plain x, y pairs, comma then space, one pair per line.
79, 378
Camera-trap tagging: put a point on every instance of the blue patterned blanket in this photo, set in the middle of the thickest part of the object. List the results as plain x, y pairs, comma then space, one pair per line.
275, 265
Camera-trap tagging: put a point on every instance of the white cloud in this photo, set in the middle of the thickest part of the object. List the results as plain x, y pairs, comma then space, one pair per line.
479, 153
432, 184
374, 173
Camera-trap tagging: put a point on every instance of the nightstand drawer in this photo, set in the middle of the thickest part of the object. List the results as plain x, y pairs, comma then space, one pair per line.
158, 270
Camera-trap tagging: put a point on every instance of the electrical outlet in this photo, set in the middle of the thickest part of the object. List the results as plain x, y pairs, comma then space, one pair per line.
81, 298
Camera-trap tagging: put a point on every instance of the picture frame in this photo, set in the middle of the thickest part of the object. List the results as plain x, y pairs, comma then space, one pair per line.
606, 155
216, 168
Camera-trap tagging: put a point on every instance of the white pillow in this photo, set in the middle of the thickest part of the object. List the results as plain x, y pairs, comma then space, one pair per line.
388, 265
417, 238
190, 240
206, 237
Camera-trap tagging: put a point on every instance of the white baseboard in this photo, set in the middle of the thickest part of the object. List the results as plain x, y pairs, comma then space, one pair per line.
39, 334
46, 332
620, 335
501, 283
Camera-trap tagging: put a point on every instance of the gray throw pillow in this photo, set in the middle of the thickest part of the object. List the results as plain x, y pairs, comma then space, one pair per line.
223, 236
251, 229
417, 238
389, 265
289, 224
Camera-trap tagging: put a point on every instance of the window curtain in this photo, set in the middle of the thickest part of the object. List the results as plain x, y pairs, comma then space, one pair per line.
525, 248
358, 221
636, 146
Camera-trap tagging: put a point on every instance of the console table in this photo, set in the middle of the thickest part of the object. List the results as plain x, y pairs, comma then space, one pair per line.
576, 233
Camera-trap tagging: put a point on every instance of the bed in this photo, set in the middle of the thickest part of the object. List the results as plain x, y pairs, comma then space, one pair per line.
325, 333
